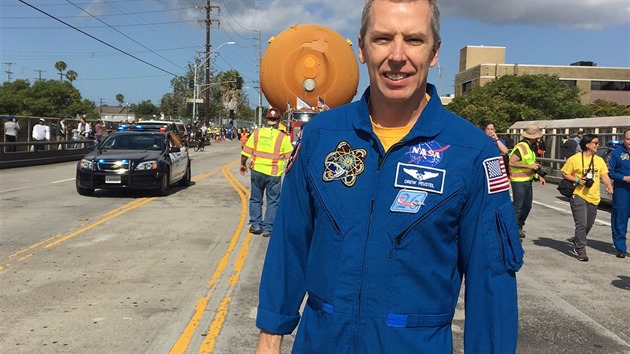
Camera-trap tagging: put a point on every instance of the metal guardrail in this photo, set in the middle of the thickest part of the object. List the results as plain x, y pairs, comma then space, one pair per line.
33, 153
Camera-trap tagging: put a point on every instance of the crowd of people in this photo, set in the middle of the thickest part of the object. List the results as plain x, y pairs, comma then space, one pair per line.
62, 132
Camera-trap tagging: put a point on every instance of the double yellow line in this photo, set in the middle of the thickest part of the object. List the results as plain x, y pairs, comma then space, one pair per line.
214, 329
208, 344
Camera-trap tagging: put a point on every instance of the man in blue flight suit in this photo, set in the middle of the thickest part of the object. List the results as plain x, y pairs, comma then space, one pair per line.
385, 208
619, 172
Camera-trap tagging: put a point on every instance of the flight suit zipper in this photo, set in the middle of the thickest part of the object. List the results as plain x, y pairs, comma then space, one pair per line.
405, 232
379, 164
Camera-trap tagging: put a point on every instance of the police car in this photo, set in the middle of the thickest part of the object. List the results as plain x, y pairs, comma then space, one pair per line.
135, 159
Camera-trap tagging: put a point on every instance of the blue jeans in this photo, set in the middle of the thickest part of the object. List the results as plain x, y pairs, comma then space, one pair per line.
522, 196
271, 186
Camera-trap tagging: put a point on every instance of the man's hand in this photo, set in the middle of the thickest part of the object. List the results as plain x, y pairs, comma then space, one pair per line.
243, 170
268, 343
542, 181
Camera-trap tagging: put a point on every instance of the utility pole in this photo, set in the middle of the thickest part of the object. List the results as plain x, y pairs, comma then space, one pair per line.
208, 21
8, 71
39, 77
260, 92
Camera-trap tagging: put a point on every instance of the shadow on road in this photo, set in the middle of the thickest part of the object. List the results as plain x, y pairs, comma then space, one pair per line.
566, 246
560, 246
622, 283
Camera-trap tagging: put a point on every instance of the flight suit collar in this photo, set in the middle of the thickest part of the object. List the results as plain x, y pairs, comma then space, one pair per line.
429, 124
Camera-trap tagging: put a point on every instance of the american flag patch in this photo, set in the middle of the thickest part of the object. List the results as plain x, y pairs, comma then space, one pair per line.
496, 175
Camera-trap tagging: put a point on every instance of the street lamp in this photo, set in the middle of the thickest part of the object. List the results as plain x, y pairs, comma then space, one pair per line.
205, 61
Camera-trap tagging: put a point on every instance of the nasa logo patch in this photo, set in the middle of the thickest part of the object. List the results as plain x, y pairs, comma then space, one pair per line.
429, 153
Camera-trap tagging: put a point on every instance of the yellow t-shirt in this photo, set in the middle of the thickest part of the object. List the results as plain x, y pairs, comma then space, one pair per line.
390, 136
573, 167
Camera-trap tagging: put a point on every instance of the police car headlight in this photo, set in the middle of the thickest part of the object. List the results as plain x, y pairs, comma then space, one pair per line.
147, 165
86, 164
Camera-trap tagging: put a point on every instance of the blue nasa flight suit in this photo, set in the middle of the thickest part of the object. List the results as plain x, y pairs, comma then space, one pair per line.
380, 241
618, 167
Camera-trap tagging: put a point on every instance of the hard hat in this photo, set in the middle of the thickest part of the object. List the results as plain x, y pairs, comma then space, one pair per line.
273, 114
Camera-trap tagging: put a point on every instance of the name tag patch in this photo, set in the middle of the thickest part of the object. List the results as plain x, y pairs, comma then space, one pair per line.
420, 177
408, 201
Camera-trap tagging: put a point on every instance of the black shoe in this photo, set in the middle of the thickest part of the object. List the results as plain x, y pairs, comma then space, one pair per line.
521, 233
266, 234
581, 256
620, 254
255, 231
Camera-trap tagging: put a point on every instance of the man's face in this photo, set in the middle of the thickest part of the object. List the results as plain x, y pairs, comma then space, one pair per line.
626, 140
398, 49
490, 129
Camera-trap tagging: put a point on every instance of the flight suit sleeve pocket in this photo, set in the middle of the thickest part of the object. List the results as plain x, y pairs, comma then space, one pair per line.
503, 247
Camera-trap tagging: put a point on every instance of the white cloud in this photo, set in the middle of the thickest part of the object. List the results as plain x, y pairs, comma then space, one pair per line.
588, 14
344, 15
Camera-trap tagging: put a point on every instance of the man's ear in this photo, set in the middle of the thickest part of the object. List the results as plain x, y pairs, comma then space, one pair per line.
361, 48
435, 53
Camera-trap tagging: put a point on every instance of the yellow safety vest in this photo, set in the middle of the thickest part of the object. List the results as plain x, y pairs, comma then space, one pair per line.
523, 174
269, 149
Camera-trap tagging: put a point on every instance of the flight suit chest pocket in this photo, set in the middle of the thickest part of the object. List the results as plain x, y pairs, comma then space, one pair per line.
501, 240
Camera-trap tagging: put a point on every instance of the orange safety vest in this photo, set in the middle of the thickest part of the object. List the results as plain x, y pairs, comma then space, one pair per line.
523, 174
269, 149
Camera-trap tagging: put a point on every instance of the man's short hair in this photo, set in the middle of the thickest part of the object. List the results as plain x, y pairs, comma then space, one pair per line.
435, 18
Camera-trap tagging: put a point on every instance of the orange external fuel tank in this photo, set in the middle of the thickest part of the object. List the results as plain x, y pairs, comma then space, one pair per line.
309, 61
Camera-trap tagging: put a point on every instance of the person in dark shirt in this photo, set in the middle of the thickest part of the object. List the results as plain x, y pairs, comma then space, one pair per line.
569, 147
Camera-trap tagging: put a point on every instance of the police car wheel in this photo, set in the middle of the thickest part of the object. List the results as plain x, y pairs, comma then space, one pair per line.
185, 181
164, 183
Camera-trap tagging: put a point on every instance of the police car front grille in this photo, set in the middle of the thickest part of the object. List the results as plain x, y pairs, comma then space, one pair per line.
113, 165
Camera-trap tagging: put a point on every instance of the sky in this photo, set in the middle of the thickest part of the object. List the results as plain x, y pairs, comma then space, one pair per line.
135, 47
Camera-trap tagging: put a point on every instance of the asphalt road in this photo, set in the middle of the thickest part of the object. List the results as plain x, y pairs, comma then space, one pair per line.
130, 273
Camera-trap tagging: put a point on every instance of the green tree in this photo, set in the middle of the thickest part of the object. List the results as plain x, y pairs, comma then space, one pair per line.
603, 108
61, 67
49, 98
145, 109
71, 75
120, 98
516, 98
12, 96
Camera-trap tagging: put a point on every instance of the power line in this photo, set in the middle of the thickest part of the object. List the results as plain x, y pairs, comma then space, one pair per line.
126, 36
96, 39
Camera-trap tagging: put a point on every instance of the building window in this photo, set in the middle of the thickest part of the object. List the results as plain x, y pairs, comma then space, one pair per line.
466, 87
570, 83
610, 85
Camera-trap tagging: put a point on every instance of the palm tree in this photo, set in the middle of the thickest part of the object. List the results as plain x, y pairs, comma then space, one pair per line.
120, 98
61, 67
71, 75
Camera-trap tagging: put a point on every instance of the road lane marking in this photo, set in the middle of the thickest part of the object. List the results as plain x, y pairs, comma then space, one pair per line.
63, 180
540, 290
207, 346
95, 224
57, 239
183, 342
602, 222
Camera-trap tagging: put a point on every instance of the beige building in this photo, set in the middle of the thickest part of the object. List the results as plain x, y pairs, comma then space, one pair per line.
480, 64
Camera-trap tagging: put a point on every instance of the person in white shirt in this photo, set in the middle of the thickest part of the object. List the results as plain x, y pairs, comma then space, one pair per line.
84, 129
11, 128
41, 133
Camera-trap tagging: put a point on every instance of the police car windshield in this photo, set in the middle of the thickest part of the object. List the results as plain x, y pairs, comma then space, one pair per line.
133, 142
